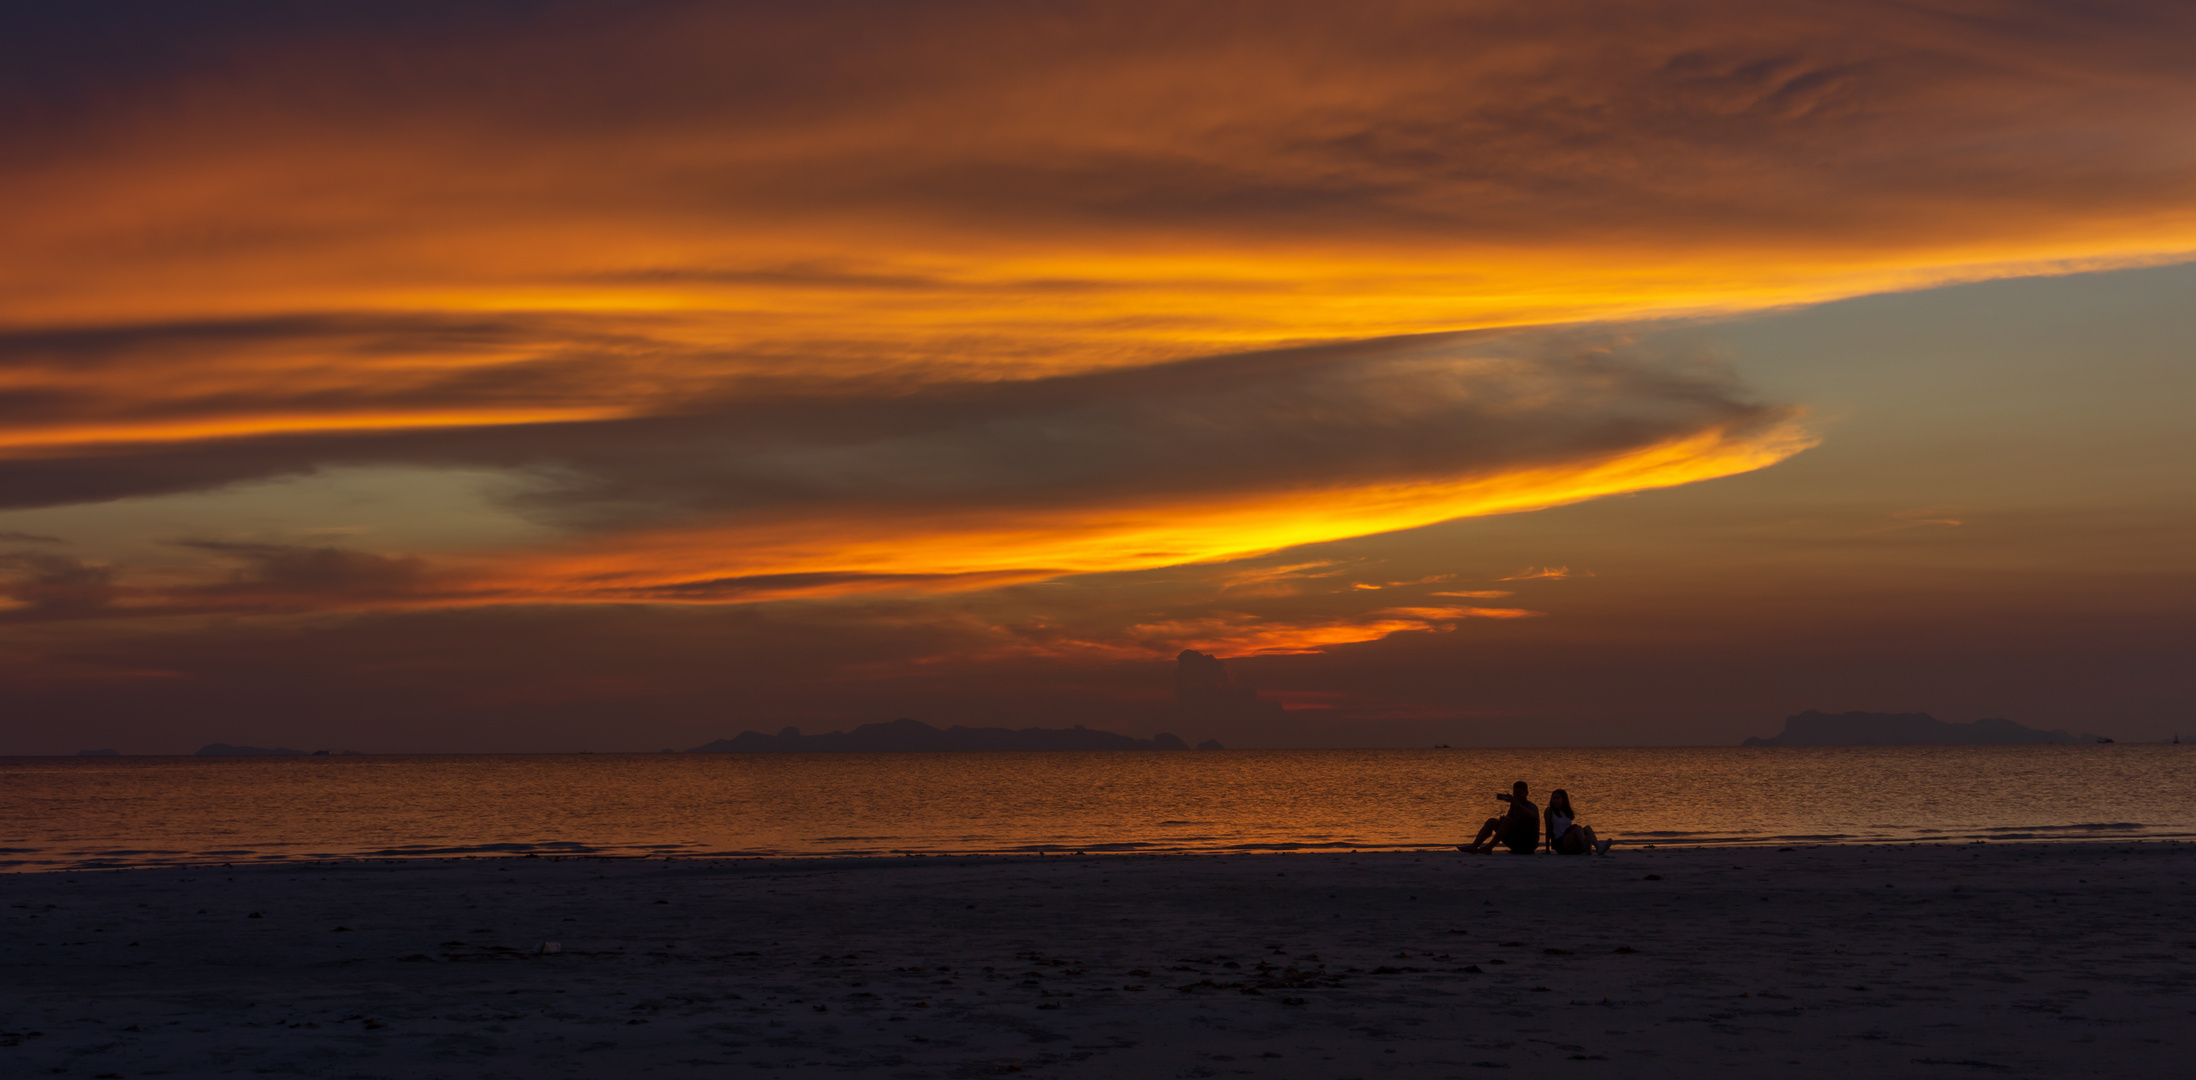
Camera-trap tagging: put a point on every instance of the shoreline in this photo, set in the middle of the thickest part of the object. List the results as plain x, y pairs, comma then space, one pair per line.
2065, 957
73, 814
506, 851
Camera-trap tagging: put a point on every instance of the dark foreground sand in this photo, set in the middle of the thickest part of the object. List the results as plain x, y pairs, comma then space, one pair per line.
2020, 960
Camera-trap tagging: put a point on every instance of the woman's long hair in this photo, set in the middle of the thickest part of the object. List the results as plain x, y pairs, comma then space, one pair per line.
1559, 802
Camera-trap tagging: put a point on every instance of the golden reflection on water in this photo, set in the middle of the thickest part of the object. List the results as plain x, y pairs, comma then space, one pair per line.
67, 812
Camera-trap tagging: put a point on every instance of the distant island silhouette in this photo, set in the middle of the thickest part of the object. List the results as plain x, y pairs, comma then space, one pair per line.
914, 735
1812, 728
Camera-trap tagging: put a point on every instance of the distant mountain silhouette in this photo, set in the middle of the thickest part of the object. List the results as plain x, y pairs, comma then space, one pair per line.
912, 735
1813, 728
222, 749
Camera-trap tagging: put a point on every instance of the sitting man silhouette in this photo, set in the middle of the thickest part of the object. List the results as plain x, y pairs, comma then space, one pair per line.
1518, 830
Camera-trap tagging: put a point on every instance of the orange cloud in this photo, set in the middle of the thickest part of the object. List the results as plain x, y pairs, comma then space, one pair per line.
755, 302
1544, 573
1376, 585
1229, 634
1271, 580
619, 215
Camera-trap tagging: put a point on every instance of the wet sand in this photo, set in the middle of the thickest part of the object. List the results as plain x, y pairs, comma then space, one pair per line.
2004, 959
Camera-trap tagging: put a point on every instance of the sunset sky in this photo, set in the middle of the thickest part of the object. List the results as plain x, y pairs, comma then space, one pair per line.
423, 377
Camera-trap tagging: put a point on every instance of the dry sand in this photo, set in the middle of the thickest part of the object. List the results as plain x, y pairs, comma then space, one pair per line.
2013, 959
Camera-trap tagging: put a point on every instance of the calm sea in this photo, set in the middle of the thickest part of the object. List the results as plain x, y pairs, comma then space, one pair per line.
60, 813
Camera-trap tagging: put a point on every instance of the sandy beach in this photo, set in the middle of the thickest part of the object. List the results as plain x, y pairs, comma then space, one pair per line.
2007, 959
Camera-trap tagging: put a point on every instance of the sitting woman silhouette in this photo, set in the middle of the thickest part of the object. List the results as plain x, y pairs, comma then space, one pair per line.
1565, 835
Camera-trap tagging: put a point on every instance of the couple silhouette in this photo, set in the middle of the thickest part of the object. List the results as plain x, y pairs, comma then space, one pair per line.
1519, 830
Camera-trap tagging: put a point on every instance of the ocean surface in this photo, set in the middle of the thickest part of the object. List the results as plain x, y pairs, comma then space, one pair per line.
73, 813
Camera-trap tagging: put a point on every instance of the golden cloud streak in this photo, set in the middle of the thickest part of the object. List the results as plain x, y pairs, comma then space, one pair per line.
1230, 635
1103, 538
34, 441
635, 351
